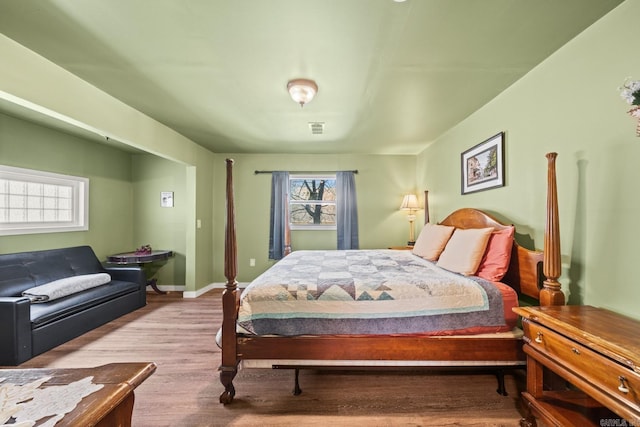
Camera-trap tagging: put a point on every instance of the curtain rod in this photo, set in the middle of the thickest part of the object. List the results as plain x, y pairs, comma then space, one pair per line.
258, 172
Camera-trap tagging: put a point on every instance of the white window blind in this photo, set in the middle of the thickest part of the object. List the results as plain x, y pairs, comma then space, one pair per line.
34, 201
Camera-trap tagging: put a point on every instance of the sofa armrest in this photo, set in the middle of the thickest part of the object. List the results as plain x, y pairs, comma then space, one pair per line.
15, 334
126, 273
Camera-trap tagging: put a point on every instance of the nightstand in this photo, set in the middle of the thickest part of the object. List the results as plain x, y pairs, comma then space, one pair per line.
401, 248
596, 351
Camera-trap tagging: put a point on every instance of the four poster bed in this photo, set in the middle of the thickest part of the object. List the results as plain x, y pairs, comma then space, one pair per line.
258, 332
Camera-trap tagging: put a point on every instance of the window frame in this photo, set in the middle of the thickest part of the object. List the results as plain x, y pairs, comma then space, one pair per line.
315, 227
79, 202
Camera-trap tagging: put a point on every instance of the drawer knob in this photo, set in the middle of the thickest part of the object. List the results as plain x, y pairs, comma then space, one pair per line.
575, 350
539, 338
622, 387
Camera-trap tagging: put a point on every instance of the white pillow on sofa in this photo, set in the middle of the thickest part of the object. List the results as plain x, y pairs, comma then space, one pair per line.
66, 286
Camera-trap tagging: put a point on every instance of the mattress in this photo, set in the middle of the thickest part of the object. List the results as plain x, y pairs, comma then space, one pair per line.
371, 292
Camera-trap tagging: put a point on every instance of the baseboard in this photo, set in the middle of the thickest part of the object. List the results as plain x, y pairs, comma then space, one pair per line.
197, 293
170, 288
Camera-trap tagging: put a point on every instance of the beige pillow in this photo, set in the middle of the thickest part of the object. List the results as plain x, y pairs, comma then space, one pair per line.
464, 250
432, 240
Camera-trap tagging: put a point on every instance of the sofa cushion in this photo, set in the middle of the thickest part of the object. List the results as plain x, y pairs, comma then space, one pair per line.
14, 278
51, 311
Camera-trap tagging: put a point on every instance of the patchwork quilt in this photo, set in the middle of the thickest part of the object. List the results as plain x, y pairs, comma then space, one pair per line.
367, 292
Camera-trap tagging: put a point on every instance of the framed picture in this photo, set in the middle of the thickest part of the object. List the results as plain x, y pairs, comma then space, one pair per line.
483, 165
166, 199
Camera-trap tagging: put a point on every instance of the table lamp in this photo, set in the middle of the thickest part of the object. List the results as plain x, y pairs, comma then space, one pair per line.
410, 203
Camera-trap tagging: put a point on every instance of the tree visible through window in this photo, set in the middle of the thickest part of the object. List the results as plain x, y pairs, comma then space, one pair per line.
312, 201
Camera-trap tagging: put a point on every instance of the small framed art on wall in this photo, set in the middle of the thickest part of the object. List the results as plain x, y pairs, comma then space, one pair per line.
482, 165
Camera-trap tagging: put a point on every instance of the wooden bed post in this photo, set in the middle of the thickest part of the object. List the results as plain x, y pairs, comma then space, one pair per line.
229, 367
426, 207
551, 293
287, 228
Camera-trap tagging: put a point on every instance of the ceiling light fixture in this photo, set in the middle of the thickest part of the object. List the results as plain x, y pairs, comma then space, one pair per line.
302, 90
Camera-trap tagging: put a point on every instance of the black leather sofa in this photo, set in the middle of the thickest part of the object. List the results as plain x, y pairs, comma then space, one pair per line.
28, 329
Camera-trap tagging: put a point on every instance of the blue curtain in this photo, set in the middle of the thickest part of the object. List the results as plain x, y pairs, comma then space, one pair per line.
279, 189
347, 215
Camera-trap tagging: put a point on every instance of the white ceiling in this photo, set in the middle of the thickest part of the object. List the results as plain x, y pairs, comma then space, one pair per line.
392, 76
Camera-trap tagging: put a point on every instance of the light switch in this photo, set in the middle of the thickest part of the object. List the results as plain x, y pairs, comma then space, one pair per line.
198, 223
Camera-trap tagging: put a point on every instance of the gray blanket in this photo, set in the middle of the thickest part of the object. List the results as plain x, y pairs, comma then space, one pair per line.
66, 286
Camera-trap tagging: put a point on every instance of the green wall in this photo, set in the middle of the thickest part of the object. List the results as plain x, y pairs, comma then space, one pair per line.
160, 227
124, 196
42, 87
380, 184
569, 104
27, 145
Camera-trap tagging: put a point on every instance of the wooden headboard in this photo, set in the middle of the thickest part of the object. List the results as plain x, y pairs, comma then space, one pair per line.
525, 267
528, 268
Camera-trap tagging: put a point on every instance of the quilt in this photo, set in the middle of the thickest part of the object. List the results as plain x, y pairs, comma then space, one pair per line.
337, 292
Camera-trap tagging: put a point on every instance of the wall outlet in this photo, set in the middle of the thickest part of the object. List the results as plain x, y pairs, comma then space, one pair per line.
252, 262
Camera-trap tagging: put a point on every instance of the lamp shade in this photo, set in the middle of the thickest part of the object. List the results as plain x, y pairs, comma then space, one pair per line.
302, 90
410, 202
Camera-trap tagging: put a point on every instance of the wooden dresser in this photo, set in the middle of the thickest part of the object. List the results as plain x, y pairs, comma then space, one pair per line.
583, 366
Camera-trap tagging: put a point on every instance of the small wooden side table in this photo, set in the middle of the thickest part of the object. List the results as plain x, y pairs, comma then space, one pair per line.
112, 405
401, 248
150, 264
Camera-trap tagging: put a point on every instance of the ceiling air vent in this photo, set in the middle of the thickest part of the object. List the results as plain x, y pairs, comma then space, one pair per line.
317, 128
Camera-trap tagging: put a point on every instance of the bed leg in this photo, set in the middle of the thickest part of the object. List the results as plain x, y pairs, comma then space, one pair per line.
296, 386
501, 388
226, 378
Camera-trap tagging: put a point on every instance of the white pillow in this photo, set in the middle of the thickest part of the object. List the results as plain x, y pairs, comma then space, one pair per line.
464, 250
432, 240
66, 286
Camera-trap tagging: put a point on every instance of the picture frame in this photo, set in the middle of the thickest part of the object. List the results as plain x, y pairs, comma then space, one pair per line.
166, 199
482, 166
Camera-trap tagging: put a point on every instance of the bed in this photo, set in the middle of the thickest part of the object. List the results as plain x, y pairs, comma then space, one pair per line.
256, 333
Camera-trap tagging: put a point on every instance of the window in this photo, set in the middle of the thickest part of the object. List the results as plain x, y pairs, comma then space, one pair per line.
312, 202
42, 202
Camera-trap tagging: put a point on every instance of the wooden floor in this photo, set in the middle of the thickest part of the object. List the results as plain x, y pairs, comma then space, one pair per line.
178, 334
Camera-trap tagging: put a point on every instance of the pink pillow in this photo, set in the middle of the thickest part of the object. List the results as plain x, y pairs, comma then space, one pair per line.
497, 256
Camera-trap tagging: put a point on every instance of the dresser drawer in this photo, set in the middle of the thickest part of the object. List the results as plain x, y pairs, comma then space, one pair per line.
614, 379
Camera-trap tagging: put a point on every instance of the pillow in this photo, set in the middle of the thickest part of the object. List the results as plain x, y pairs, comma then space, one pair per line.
495, 263
66, 286
464, 250
432, 240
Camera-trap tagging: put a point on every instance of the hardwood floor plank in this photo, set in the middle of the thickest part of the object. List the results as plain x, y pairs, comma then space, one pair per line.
179, 336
